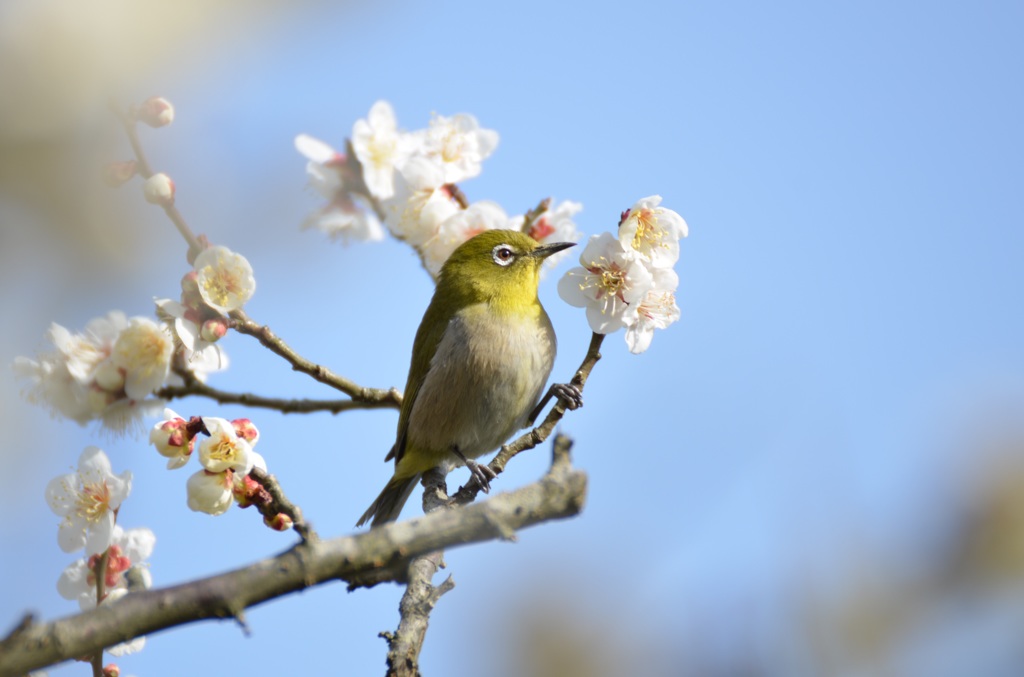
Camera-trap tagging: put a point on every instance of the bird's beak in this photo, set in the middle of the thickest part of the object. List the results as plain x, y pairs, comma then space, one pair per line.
546, 250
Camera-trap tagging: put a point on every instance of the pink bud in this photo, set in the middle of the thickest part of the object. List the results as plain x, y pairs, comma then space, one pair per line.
116, 173
159, 190
248, 491
214, 329
279, 522
245, 429
155, 111
112, 671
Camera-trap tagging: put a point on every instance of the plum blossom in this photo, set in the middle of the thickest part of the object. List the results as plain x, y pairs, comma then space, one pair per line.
87, 500
224, 449
421, 202
610, 284
172, 440
142, 353
210, 492
653, 231
224, 278
458, 228
88, 375
346, 216
656, 310
460, 144
380, 149
128, 548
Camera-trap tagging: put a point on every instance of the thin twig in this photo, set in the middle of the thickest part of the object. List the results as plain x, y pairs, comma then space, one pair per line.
279, 503
286, 406
142, 165
270, 340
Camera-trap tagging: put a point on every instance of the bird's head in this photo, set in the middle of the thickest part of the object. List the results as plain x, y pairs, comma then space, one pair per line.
496, 265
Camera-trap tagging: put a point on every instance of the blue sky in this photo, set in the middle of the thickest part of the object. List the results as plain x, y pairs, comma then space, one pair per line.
851, 175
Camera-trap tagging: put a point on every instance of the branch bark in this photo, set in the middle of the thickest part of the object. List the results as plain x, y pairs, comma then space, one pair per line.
559, 494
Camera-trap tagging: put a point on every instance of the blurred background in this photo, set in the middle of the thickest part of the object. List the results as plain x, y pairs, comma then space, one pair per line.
818, 471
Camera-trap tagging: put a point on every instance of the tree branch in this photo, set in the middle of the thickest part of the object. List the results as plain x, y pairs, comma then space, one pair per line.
377, 396
285, 406
559, 494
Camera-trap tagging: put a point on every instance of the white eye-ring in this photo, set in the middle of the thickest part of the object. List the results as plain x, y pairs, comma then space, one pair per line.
503, 255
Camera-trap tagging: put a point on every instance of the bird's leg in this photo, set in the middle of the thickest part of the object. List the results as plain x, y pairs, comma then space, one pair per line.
567, 393
480, 472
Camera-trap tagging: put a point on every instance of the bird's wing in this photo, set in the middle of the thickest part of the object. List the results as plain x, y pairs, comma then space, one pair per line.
428, 336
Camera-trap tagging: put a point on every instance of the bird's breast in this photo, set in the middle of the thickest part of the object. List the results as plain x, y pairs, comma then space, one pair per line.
486, 376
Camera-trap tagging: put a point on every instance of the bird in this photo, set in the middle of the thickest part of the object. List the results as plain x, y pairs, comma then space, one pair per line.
481, 357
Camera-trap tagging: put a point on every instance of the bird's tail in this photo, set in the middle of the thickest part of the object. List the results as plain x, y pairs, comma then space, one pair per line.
389, 504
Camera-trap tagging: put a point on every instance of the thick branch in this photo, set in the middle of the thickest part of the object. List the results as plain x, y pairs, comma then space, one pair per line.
560, 493
390, 397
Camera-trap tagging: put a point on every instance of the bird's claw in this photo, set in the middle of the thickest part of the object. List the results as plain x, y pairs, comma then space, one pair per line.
568, 394
482, 473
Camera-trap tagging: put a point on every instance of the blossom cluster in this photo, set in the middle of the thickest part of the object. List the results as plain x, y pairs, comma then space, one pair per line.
88, 501
226, 455
220, 281
626, 280
109, 371
407, 179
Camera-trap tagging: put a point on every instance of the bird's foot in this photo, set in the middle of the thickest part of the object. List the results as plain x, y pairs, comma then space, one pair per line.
568, 394
482, 473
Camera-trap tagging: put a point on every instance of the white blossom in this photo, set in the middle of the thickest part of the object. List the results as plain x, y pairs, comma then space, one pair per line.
142, 353
421, 202
346, 216
87, 500
223, 449
210, 492
653, 231
380, 148
171, 440
225, 278
610, 284
460, 144
656, 310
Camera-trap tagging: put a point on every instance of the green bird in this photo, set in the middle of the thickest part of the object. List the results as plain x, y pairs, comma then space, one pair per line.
482, 355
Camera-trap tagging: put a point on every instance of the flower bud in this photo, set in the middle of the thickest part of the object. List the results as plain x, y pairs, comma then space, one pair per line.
155, 111
279, 522
159, 190
210, 492
171, 438
246, 429
213, 329
112, 670
117, 173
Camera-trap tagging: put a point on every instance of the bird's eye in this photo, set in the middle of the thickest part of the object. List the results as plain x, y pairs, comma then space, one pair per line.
503, 255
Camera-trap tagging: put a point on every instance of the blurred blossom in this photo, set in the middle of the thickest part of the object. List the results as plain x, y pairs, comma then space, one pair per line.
88, 500
380, 148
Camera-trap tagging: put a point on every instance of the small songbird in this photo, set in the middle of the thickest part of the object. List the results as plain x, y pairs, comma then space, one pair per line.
482, 355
